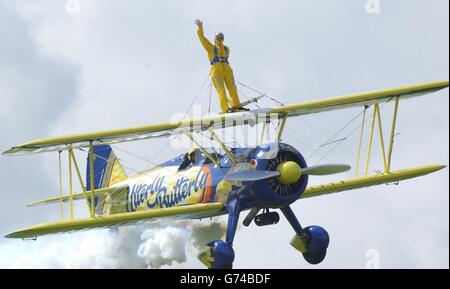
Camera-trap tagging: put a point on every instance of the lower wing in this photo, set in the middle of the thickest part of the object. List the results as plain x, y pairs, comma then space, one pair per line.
370, 180
183, 212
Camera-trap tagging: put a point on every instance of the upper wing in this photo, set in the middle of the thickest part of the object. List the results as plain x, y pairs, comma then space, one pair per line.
221, 121
360, 99
183, 212
130, 134
369, 180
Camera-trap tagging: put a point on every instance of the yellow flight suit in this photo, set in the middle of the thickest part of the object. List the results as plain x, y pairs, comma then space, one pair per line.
221, 72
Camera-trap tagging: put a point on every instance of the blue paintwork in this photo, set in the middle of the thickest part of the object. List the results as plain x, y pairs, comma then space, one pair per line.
254, 194
261, 194
319, 238
234, 209
102, 154
222, 253
292, 219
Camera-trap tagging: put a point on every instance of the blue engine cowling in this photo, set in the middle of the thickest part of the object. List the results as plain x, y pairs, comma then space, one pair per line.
270, 192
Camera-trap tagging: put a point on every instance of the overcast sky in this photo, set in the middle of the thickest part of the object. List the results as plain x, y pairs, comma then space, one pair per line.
121, 63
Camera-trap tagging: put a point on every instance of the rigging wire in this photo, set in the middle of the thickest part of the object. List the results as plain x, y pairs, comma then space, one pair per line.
196, 96
353, 131
289, 131
265, 95
337, 133
248, 98
210, 97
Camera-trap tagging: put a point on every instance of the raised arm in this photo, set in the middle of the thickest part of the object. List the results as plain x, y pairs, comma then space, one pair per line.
205, 42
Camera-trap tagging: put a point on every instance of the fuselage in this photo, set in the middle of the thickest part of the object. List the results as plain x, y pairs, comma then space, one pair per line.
172, 184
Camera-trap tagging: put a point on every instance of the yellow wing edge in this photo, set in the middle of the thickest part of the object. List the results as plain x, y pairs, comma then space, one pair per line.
182, 212
360, 99
370, 180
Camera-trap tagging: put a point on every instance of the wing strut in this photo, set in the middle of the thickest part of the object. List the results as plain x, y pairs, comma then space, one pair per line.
80, 179
91, 173
391, 142
222, 145
60, 186
358, 158
70, 184
376, 119
208, 155
283, 124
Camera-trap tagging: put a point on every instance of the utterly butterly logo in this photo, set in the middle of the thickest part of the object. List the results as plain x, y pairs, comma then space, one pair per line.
158, 194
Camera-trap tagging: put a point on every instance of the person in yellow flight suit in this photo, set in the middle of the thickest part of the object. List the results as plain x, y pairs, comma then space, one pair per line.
221, 72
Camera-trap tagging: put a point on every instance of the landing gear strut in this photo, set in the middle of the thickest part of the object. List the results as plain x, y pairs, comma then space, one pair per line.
219, 254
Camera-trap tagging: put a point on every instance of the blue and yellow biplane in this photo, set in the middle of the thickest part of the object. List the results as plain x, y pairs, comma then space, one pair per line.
203, 183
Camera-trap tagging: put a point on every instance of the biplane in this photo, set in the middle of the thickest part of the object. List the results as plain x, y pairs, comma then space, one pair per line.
202, 183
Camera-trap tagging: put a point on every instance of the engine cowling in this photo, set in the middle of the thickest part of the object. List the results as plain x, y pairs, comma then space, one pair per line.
290, 185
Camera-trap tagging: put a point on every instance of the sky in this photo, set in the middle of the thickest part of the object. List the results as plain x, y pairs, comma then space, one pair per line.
78, 66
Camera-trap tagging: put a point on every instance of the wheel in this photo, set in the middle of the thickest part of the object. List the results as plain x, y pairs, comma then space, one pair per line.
228, 266
316, 257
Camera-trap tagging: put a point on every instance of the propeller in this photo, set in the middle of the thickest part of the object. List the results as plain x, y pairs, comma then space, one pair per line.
251, 176
287, 172
322, 170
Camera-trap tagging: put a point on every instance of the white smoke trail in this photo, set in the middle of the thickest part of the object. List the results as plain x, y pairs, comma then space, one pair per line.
142, 246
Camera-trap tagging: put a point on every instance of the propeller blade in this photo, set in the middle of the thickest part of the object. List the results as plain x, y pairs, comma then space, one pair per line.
322, 170
251, 176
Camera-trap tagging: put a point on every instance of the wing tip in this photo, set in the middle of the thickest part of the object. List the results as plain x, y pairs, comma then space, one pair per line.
14, 235
438, 167
441, 84
15, 151
8, 152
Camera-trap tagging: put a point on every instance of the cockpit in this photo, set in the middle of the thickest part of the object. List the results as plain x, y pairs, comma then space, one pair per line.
196, 157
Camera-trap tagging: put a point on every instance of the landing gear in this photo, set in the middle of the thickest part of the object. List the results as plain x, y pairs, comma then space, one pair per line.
317, 244
311, 241
315, 258
219, 254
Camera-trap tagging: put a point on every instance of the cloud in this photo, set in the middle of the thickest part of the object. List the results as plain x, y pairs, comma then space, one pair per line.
141, 246
35, 90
